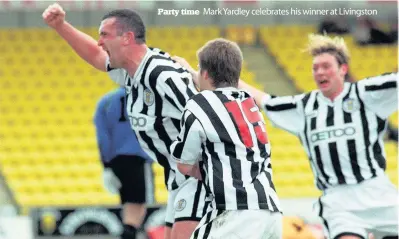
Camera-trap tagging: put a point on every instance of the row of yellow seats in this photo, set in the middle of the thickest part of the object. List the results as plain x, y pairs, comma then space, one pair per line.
67, 128
75, 198
45, 34
66, 185
61, 149
51, 116
86, 76
63, 183
75, 127
59, 53
242, 34
48, 165
299, 41
39, 105
66, 61
74, 167
39, 101
286, 30
66, 199
49, 147
41, 108
52, 157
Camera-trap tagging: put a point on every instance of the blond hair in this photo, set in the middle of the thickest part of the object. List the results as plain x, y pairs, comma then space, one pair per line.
318, 44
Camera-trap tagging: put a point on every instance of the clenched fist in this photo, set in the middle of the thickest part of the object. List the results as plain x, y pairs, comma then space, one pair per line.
54, 15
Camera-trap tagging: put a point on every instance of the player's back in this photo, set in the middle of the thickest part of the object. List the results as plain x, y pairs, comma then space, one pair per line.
237, 152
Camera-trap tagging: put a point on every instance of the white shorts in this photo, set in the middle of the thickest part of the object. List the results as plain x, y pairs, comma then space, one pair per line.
186, 203
371, 206
253, 224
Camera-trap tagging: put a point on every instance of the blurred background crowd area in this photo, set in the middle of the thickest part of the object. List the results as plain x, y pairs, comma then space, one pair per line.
48, 152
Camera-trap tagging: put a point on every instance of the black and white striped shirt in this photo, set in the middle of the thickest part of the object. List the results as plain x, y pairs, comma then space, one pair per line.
225, 132
156, 97
344, 138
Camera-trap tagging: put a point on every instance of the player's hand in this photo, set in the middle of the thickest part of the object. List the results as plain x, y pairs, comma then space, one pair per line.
196, 173
111, 181
54, 15
183, 62
186, 65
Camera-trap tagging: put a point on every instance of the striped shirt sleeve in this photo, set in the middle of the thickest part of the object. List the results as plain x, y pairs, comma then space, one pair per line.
186, 149
380, 94
285, 112
117, 75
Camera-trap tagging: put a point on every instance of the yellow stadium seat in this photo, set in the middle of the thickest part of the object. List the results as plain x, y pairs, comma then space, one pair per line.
241, 34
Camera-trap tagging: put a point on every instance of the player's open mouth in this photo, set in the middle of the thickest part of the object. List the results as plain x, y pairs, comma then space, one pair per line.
323, 82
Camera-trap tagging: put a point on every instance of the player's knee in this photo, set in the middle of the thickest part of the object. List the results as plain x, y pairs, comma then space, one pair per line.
133, 214
183, 229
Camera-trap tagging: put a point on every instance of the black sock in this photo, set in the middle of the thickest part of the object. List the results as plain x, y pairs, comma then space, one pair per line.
129, 232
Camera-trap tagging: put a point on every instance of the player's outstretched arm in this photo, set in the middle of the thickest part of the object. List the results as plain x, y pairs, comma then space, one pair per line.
279, 110
257, 94
380, 93
84, 45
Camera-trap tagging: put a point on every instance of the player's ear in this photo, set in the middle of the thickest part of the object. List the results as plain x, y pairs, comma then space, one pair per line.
128, 38
205, 75
344, 69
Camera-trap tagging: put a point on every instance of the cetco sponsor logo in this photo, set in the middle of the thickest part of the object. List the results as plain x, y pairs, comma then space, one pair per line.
333, 133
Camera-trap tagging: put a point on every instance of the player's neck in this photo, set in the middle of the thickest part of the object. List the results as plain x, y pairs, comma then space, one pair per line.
334, 94
134, 56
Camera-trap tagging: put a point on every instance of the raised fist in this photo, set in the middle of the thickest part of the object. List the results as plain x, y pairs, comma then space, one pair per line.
54, 15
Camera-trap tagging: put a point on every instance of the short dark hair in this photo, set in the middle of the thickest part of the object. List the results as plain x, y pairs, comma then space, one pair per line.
128, 20
222, 59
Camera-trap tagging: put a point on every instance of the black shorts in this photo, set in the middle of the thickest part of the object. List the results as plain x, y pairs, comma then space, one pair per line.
132, 172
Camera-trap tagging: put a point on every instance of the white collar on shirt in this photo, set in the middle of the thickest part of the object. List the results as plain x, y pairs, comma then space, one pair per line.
338, 98
142, 63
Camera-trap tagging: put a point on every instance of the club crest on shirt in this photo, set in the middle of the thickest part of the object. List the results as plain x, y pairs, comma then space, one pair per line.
180, 205
148, 97
350, 105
